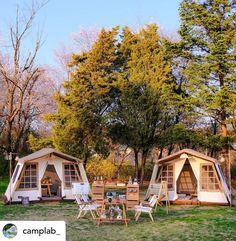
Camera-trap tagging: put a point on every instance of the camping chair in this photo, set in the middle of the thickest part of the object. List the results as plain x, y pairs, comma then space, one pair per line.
85, 206
161, 191
148, 208
81, 193
55, 188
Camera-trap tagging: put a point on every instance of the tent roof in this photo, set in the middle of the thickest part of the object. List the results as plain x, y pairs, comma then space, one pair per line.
189, 152
47, 151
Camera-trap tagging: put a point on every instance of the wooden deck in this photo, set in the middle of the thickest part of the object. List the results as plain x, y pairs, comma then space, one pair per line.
53, 199
186, 201
195, 201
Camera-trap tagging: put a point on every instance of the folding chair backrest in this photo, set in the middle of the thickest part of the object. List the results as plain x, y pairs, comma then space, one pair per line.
78, 199
153, 201
85, 197
155, 188
80, 188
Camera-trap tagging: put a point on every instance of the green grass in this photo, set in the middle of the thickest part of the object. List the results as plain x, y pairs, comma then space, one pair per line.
3, 184
183, 222
211, 223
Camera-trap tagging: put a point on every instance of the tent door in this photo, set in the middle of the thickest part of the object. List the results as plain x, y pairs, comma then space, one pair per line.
51, 183
187, 182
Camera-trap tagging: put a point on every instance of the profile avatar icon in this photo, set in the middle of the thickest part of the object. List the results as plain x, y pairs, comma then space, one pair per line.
9, 230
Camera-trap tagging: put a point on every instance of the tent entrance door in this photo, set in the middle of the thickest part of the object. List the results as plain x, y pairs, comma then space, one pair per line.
51, 183
187, 182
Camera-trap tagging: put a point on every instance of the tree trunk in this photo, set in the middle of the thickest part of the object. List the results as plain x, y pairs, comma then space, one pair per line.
160, 154
143, 163
86, 157
136, 163
170, 149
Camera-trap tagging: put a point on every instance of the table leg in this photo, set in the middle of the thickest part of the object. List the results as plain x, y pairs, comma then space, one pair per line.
49, 191
99, 218
124, 215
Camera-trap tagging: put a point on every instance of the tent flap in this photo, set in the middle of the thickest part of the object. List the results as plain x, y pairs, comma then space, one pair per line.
13, 182
178, 168
153, 178
223, 181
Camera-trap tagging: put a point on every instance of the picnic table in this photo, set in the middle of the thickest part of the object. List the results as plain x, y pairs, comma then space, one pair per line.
111, 219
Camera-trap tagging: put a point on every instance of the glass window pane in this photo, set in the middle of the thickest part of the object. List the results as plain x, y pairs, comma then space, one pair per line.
33, 179
210, 168
67, 179
204, 168
211, 174
27, 179
210, 187
204, 174
33, 173
67, 172
27, 173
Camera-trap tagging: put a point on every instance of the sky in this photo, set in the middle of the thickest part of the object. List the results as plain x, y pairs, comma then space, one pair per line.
58, 19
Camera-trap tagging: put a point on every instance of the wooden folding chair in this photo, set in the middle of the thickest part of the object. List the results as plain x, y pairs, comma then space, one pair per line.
161, 191
163, 196
85, 207
148, 208
81, 192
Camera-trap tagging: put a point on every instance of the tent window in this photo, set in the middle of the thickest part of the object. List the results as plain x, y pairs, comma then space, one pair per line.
15, 173
209, 180
167, 174
70, 175
29, 178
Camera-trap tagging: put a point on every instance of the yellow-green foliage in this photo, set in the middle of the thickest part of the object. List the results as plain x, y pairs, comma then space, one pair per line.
100, 167
37, 143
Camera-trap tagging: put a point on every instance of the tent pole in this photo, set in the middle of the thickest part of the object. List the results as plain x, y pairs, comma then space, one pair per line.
10, 171
229, 181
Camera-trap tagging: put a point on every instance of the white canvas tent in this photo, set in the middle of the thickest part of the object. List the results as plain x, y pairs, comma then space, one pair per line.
193, 175
35, 176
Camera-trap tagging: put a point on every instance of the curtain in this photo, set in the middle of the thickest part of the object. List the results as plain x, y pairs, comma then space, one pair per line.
178, 168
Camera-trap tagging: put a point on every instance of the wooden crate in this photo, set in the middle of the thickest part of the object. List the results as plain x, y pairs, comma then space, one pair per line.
132, 196
98, 192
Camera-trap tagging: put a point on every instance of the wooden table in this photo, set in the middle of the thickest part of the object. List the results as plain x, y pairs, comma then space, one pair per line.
47, 185
114, 202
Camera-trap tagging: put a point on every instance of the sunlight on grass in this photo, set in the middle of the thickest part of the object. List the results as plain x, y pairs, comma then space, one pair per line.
183, 222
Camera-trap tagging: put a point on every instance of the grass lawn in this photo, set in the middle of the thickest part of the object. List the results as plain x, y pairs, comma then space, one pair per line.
183, 222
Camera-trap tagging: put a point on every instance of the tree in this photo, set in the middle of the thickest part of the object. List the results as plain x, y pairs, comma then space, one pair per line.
86, 98
208, 36
21, 79
137, 118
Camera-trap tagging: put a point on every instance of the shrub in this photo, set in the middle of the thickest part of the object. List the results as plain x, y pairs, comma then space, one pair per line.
100, 167
126, 171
